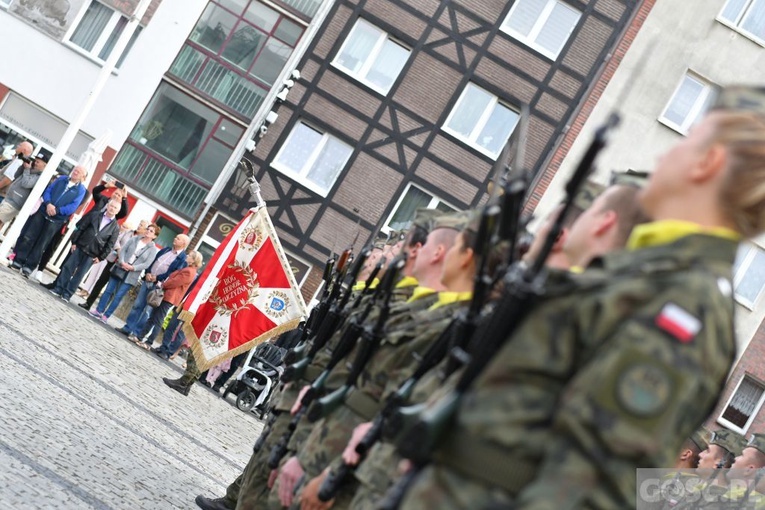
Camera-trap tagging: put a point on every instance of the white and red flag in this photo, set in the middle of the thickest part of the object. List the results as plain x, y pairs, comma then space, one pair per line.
246, 295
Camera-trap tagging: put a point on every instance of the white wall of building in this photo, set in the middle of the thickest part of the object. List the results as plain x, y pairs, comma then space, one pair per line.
678, 36
58, 78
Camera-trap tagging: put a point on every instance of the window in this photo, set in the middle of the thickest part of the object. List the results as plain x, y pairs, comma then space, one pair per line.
5, 3
235, 53
98, 30
370, 56
749, 274
691, 99
412, 199
313, 158
743, 405
187, 133
544, 25
481, 120
746, 15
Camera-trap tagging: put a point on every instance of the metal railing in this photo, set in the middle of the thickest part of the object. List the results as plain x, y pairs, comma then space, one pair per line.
158, 180
217, 81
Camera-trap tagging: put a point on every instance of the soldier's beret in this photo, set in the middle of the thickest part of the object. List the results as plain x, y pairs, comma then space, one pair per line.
741, 97
456, 220
757, 441
587, 194
731, 441
634, 178
701, 439
423, 218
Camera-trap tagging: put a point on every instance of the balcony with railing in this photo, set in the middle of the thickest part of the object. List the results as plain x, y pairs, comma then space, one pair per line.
232, 89
152, 176
307, 8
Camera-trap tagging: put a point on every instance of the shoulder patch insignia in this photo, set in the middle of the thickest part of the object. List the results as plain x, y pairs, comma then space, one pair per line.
678, 322
644, 389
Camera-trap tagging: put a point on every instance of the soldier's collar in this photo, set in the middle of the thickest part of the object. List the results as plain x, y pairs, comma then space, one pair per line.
447, 298
668, 231
359, 286
407, 281
420, 292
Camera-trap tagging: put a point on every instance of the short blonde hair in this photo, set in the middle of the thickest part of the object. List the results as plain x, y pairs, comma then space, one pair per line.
195, 259
743, 192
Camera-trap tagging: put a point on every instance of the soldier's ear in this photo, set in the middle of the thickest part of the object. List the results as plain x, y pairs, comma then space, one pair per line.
606, 221
711, 166
560, 241
686, 454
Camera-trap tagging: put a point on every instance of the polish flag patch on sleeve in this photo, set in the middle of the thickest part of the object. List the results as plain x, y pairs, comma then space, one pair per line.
678, 322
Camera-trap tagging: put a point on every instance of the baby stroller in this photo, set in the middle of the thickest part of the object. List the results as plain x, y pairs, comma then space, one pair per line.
256, 382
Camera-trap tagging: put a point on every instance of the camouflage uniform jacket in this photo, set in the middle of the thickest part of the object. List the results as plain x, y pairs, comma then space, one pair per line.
594, 385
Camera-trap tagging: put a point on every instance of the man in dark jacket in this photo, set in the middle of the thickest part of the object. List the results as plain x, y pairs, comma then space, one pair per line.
92, 241
60, 199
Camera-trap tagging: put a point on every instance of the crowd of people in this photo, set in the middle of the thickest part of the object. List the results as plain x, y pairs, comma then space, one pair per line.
621, 354
106, 259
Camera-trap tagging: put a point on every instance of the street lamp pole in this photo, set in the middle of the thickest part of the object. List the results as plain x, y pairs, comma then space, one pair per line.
74, 127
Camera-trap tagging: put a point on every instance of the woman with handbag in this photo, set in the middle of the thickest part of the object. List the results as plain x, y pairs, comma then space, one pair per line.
169, 294
137, 255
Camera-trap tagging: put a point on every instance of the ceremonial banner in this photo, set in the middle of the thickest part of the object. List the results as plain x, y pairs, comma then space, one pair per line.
246, 295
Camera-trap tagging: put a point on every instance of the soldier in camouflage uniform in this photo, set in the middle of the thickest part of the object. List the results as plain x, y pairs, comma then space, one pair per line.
615, 375
252, 485
395, 358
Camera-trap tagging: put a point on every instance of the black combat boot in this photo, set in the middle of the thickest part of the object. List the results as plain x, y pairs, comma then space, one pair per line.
213, 504
177, 385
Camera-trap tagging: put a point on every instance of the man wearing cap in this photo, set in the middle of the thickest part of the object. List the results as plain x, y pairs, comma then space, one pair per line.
20, 188
724, 446
10, 171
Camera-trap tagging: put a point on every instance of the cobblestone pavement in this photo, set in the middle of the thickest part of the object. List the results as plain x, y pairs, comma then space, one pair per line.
86, 421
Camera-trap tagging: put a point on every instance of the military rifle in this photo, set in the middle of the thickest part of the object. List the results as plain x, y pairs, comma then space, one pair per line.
370, 340
316, 316
335, 316
523, 288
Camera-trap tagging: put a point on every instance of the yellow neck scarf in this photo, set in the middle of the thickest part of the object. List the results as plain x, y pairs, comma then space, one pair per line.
667, 231
447, 298
420, 292
407, 281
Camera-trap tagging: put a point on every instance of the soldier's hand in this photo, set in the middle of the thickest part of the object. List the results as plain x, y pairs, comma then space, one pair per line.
289, 475
349, 454
272, 478
310, 497
296, 406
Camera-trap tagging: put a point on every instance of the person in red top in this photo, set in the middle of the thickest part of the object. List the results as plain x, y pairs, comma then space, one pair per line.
175, 286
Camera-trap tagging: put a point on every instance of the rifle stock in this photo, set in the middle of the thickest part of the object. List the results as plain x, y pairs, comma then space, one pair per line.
327, 404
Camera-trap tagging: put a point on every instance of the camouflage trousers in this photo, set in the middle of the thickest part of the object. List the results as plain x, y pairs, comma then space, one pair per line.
192, 373
253, 492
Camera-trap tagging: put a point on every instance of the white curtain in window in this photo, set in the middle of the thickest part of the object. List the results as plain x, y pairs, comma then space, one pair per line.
525, 14
471, 107
358, 47
388, 65
746, 398
330, 162
733, 9
754, 21
751, 283
91, 26
682, 103
557, 28
414, 199
298, 149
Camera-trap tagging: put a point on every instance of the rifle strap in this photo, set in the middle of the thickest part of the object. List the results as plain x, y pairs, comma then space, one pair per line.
362, 404
475, 458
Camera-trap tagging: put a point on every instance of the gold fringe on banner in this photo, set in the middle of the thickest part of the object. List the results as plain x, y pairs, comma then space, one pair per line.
198, 352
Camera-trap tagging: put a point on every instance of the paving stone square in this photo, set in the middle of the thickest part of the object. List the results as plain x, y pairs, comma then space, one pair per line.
86, 421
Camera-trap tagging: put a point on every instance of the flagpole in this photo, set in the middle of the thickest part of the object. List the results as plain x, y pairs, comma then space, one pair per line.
255, 191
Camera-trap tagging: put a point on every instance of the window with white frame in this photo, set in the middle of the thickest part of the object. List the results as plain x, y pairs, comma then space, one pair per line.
412, 199
481, 120
544, 25
688, 103
743, 405
371, 56
5, 3
749, 274
747, 16
312, 158
98, 30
